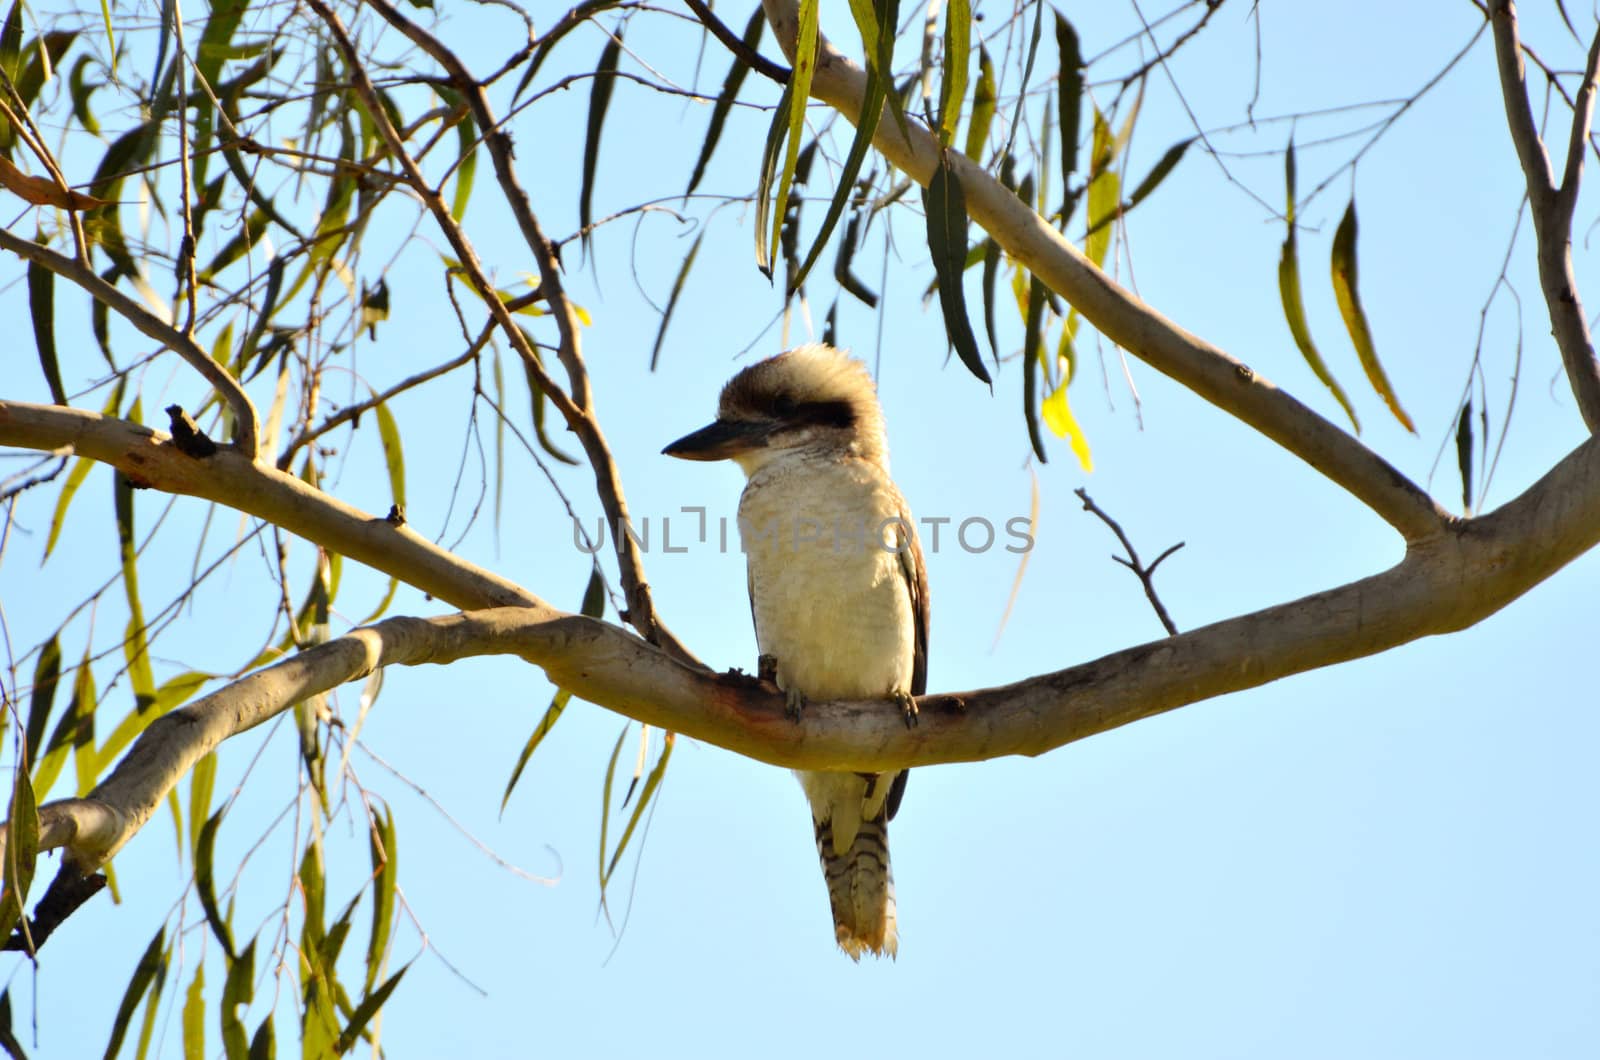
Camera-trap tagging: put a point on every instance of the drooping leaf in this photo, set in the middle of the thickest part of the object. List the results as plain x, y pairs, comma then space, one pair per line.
599, 99
797, 95
946, 210
237, 991
1069, 96
983, 104
21, 850
394, 458
46, 675
957, 59
672, 298
1105, 189
1294, 313
135, 647
725, 99
842, 272
769, 170
594, 605
144, 974
381, 841
205, 883
878, 85
1057, 415
1152, 180
991, 273
42, 305
1033, 344
194, 1015
254, 227
1355, 318
365, 1011
605, 806
1464, 456
651, 784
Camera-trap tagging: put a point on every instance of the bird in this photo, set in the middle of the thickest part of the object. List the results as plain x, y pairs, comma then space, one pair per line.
838, 592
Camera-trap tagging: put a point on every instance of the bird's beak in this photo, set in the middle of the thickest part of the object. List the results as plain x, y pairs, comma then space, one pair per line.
722, 440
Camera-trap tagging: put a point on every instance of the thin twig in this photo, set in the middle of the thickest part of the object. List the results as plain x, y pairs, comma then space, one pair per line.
1146, 575
735, 44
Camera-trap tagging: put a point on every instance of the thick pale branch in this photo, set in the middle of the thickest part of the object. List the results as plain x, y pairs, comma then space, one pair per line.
246, 425
1445, 584
1119, 315
1552, 206
150, 458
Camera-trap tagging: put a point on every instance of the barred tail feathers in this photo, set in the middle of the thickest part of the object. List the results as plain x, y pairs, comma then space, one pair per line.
850, 812
861, 889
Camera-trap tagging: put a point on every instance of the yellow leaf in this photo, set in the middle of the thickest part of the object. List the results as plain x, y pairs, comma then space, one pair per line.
1058, 417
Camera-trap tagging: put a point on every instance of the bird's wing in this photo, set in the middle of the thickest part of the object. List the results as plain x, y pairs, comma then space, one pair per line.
915, 572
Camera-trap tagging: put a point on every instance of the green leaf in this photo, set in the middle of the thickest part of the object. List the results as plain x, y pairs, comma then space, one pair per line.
1294, 313
672, 299
1464, 455
42, 306
594, 606
983, 104
991, 274
946, 210
605, 806
366, 1010
651, 783
1105, 189
1033, 344
1151, 181
957, 58
878, 84
22, 854
202, 781
153, 961
466, 167
262, 1046
725, 99
769, 170
599, 99
11, 42
134, 646
1069, 96
393, 455
1355, 318
46, 676
80, 88
255, 226
75, 477
194, 1015
205, 885
796, 96
381, 841
237, 991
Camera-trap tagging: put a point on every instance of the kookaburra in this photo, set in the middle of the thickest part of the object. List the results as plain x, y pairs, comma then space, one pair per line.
837, 588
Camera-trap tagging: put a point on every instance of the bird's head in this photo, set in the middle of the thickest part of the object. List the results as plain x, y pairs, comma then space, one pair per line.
812, 398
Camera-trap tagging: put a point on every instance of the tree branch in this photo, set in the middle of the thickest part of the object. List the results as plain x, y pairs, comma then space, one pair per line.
578, 409
151, 459
1552, 206
1218, 378
245, 422
1447, 583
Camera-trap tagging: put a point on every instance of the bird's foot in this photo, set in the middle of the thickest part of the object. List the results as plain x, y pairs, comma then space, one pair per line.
767, 668
794, 703
908, 708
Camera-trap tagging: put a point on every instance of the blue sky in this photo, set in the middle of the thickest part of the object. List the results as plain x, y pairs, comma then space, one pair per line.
1395, 857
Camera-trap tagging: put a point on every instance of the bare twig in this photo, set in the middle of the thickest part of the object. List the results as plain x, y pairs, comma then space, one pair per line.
735, 44
1552, 205
1146, 575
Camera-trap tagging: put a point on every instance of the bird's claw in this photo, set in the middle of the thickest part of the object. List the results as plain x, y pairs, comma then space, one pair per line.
794, 703
767, 668
908, 708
